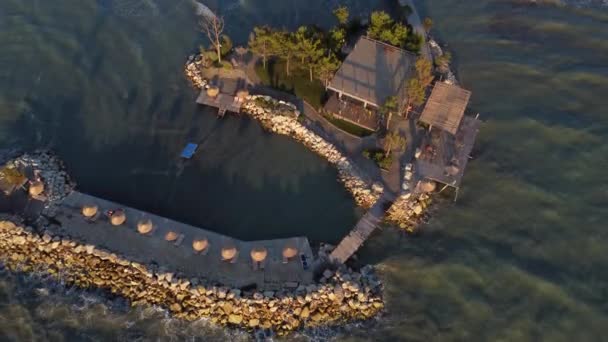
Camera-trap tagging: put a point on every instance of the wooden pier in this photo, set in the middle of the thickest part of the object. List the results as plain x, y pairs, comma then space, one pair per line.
362, 231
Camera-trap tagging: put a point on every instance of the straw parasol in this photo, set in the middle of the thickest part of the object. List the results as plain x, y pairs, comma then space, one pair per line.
36, 188
200, 245
452, 170
118, 217
258, 254
428, 186
213, 91
171, 236
228, 252
289, 252
89, 210
144, 226
242, 94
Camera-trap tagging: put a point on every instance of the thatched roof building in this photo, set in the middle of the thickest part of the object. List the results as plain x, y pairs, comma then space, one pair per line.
445, 107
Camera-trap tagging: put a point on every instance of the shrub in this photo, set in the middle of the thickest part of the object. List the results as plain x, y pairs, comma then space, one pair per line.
379, 157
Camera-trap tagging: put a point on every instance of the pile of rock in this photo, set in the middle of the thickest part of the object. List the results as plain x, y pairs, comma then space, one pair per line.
407, 211
343, 296
193, 71
365, 193
50, 170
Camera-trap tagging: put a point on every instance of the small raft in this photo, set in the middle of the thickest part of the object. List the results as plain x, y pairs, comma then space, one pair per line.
189, 150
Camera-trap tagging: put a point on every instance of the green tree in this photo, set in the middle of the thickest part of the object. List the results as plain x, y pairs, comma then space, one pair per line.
413, 42
392, 141
326, 67
388, 108
337, 37
424, 71
443, 61
308, 49
226, 45
415, 93
262, 43
341, 13
384, 28
428, 24
286, 47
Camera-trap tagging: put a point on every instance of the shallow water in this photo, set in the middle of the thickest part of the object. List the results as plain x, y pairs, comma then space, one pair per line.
520, 257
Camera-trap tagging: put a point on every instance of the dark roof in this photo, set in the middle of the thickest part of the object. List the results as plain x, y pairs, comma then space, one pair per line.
445, 107
374, 71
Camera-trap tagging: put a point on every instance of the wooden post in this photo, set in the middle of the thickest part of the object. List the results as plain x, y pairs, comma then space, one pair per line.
456, 196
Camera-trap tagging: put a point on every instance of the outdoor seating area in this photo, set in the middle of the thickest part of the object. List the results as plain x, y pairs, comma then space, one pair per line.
148, 238
353, 112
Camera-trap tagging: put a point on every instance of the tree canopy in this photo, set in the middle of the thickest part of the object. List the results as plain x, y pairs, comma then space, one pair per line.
384, 28
262, 43
341, 13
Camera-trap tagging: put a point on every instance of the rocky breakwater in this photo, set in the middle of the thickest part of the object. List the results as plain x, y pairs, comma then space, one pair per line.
340, 297
410, 207
48, 168
282, 118
193, 70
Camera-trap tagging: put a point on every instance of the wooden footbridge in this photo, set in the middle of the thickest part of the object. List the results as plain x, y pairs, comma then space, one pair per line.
362, 231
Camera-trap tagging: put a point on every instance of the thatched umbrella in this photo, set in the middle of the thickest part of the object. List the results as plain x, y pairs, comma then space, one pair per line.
242, 94
213, 91
452, 170
228, 252
144, 227
258, 254
36, 188
289, 252
428, 186
200, 245
118, 217
171, 236
89, 210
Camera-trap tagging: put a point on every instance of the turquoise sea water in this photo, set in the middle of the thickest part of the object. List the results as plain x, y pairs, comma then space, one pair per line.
520, 257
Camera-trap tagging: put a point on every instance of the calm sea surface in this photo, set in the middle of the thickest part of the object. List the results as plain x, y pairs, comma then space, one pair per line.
522, 256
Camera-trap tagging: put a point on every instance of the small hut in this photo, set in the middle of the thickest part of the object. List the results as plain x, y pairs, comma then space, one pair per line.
200, 245
36, 188
118, 217
289, 252
144, 227
89, 211
229, 253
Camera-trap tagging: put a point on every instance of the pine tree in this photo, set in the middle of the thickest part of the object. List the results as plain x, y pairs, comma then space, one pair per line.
261, 43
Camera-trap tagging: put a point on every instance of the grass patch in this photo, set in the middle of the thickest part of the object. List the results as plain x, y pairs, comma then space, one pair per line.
349, 127
379, 157
297, 83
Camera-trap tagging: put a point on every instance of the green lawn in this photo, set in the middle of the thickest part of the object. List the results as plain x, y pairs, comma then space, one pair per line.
349, 126
297, 83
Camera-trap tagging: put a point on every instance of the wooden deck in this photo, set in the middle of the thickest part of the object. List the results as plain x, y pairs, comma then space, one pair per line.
362, 231
443, 150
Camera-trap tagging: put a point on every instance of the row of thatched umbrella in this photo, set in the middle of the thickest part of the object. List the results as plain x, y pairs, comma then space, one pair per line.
228, 252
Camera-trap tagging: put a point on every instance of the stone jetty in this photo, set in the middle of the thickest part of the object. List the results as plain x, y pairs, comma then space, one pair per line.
339, 297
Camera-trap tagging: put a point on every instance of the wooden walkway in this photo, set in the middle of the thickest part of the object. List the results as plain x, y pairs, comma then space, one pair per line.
362, 231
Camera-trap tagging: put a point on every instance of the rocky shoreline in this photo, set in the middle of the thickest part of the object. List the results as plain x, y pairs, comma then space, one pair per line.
339, 297
282, 118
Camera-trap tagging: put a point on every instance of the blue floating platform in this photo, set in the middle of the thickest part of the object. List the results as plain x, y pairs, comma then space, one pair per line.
189, 150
